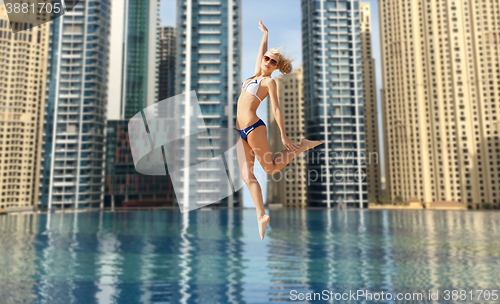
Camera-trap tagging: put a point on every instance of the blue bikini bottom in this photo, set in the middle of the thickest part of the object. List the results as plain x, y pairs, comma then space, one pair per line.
244, 133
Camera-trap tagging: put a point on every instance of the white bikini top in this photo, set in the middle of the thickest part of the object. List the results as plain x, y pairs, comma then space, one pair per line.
253, 86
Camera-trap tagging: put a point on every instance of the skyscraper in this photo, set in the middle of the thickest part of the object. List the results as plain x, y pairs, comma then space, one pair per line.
75, 116
134, 43
370, 111
441, 98
208, 62
23, 66
333, 102
289, 186
167, 62
135, 47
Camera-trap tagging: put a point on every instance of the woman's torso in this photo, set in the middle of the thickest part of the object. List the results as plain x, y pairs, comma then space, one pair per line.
248, 103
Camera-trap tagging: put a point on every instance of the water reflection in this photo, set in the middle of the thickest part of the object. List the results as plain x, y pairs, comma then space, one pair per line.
17, 258
217, 256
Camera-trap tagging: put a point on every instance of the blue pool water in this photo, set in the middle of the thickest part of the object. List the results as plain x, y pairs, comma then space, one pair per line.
218, 257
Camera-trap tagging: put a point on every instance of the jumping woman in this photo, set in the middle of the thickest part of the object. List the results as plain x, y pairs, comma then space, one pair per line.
253, 131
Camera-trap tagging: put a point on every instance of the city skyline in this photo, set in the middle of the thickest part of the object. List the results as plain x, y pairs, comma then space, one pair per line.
285, 25
21, 112
288, 189
334, 103
284, 29
124, 180
134, 43
208, 63
440, 101
73, 158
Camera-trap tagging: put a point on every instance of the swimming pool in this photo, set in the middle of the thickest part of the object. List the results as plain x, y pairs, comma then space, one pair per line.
216, 256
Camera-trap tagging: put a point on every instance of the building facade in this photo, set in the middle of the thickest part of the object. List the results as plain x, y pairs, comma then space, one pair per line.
370, 110
289, 187
134, 43
23, 66
441, 99
208, 62
333, 102
167, 62
75, 113
124, 185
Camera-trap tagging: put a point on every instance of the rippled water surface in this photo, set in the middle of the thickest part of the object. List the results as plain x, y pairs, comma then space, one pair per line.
218, 257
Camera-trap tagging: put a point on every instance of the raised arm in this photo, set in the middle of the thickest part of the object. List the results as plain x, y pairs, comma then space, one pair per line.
275, 107
263, 45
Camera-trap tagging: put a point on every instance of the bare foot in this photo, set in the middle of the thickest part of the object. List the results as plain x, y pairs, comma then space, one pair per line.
263, 225
309, 144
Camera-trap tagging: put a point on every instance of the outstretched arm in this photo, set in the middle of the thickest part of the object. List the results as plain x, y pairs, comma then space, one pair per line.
263, 45
273, 94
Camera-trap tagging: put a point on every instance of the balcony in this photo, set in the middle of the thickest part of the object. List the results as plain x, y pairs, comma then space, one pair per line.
208, 116
71, 56
208, 148
212, 13
209, 32
208, 71
209, 42
209, 102
213, 3
61, 184
208, 137
209, 92
344, 149
209, 61
209, 52
216, 190
207, 180
208, 169
209, 22
208, 126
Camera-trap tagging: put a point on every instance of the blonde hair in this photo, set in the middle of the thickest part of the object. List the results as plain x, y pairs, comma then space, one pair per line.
284, 63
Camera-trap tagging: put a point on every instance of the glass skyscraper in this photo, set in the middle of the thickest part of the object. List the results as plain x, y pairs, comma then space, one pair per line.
134, 42
75, 119
208, 62
167, 63
333, 102
134, 65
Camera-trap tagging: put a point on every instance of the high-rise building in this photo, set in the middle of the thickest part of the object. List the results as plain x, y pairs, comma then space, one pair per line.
208, 62
370, 110
75, 115
135, 47
124, 185
333, 102
289, 187
441, 98
23, 66
167, 62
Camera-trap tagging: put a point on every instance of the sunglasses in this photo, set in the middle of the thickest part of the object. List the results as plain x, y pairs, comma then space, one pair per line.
273, 62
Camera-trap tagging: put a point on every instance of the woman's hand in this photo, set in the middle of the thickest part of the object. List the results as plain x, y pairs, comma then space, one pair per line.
262, 28
289, 144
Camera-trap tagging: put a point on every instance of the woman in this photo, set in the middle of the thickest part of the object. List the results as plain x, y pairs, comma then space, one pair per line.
253, 131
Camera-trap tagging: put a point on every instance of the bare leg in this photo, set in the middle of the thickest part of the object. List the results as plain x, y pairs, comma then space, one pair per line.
259, 145
257, 140
246, 160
